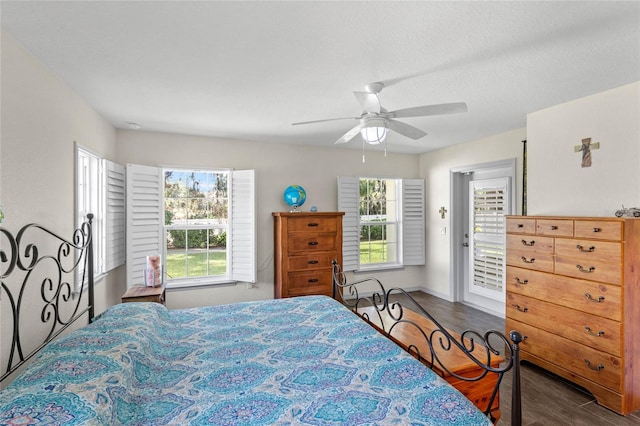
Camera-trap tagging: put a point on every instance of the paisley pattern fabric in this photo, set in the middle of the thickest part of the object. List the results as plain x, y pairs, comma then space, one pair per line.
304, 360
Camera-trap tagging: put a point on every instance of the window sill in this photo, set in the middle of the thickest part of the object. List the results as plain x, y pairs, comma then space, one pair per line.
378, 268
178, 285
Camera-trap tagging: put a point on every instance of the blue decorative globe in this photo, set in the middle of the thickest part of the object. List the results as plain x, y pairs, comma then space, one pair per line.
295, 196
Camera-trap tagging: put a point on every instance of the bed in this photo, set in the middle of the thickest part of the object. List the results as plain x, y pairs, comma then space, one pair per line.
307, 360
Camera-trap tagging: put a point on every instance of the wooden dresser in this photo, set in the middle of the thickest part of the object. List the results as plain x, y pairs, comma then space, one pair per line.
304, 246
573, 291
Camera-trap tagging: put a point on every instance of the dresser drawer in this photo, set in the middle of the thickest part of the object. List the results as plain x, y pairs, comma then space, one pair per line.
312, 261
590, 330
310, 282
521, 225
589, 259
312, 224
593, 229
588, 296
554, 227
312, 243
601, 368
530, 251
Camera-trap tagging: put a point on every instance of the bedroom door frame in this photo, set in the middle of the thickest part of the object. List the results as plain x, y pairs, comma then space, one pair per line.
459, 183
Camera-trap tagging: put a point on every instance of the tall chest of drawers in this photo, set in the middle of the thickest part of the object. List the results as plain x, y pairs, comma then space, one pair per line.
573, 291
305, 244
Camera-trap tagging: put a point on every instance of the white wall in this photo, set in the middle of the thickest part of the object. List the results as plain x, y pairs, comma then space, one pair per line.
558, 185
277, 166
435, 167
41, 117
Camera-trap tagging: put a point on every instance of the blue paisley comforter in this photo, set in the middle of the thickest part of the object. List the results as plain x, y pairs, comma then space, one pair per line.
292, 361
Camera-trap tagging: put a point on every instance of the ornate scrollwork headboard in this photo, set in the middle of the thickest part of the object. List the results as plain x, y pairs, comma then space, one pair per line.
42, 273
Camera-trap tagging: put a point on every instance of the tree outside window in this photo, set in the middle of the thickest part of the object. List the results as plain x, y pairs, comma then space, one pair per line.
379, 225
196, 206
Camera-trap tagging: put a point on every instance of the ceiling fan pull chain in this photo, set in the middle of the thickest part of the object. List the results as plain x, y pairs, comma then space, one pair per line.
363, 158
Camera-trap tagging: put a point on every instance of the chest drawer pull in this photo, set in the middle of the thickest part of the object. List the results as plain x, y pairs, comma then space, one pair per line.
313, 243
530, 243
520, 308
313, 280
524, 259
596, 368
586, 271
591, 299
313, 262
521, 282
598, 334
554, 227
596, 229
582, 249
312, 224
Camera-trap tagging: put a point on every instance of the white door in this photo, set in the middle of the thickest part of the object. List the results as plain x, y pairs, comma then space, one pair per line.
489, 203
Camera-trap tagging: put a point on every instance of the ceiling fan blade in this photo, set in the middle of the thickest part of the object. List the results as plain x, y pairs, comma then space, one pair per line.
350, 134
405, 129
325, 120
369, 101
421, 111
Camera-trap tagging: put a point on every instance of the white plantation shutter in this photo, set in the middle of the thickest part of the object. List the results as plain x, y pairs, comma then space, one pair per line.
114, 215
490, 201
243, 226
413, 222
349, 202
145, 219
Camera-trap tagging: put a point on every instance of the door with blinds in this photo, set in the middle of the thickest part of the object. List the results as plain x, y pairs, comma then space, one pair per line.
489, 203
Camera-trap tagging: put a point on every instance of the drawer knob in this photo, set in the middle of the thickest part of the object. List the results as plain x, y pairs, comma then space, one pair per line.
312, 224
520, 308
313, 280
313, 262
591, 299
525, 260
521, 282
584, 250
554, 227
586, 271
598, 334
313, 243
530, 243
520, 225
596, 229
596, 368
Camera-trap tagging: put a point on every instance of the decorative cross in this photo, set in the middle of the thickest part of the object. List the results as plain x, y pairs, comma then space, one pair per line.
442, 211
586, 148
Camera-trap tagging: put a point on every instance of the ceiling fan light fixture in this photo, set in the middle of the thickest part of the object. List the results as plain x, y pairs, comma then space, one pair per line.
374, 135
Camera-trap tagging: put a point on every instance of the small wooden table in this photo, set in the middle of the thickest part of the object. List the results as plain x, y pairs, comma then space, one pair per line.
145, 294
406, 336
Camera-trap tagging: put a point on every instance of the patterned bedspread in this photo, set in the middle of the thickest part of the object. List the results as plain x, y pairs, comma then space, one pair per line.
304, 360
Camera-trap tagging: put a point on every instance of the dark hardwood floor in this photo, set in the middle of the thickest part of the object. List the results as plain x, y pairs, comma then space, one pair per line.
546, 399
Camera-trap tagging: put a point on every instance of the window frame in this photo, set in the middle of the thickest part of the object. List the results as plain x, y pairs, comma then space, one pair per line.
411, 218
201, 279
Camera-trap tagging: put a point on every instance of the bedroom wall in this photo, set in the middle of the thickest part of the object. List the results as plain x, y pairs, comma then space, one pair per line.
277, 166
435, 168
611, 118
41, 117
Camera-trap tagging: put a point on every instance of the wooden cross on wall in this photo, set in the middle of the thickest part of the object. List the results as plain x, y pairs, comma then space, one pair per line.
586, 147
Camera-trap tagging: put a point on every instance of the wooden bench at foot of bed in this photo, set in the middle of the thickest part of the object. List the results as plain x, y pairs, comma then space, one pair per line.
411, 339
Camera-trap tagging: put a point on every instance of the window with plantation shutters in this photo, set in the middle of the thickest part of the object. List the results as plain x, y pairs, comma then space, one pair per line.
490, 204
384, 223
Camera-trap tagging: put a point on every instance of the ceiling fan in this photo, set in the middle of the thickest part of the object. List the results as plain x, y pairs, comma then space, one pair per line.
375, 120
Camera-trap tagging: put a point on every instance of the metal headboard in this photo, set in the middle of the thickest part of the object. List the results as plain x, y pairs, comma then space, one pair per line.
60, 304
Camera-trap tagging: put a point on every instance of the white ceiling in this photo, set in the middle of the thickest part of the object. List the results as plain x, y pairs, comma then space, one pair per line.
247, 70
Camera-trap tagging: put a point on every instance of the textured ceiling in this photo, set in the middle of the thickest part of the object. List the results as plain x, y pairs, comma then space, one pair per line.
247, 70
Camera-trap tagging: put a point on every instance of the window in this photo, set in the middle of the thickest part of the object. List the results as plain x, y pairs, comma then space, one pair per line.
196, 214
379, 222
383, 224
202, 222
100, 186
